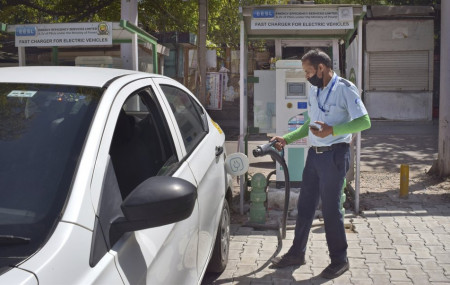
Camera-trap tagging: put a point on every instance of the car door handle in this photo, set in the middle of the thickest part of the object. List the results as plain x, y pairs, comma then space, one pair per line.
219, 150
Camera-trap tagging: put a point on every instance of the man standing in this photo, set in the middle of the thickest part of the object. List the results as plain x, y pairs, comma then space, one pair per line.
336, 111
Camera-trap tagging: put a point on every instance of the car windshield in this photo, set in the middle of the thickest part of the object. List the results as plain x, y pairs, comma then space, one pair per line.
42, 132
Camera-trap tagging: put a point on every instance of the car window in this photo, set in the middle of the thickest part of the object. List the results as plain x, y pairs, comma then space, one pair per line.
42, 132
202, 114
142, 146
190, 116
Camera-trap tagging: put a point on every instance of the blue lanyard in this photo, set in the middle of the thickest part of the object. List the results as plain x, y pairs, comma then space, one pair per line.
328, 95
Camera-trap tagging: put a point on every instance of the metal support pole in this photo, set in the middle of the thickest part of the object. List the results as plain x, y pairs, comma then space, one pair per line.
134, 52
22, 57
336, 56
242, 103
201, 48
444, 97
278, 49
358, 135
358, 171
54, 55
128, 52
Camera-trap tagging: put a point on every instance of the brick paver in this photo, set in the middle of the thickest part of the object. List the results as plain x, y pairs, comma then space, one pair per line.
401, 246
396, 241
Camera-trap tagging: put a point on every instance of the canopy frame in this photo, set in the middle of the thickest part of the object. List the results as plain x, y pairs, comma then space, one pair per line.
246, 34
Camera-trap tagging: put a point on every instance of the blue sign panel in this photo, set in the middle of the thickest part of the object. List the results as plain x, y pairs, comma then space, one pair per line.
263, 13
25, 31
302, 105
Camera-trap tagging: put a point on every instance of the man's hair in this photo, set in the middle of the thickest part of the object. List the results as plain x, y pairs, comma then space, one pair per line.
317, 56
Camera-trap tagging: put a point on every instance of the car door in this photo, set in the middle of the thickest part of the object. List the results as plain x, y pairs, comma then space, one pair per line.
204, 147
139, 142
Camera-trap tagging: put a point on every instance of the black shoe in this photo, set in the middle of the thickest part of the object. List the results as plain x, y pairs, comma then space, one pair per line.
335, 270
287, 260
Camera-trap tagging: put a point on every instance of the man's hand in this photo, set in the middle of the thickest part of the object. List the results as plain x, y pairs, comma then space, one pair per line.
280, 144
324, 131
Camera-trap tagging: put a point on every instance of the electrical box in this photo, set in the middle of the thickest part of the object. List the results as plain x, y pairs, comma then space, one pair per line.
291, 109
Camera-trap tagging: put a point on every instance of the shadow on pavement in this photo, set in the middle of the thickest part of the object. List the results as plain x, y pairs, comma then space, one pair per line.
261, 271
387, 153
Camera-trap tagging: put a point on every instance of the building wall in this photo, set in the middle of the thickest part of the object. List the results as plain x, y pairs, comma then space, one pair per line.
399, 35
398, 80
402, 106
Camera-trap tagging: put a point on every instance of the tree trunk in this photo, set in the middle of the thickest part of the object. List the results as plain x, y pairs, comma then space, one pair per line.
443, 162
228, 58
201, 48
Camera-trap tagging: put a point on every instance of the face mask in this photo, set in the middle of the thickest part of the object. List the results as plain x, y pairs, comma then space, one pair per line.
316, 81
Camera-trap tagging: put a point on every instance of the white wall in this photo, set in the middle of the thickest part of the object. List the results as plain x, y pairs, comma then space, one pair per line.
399, 105
399, 35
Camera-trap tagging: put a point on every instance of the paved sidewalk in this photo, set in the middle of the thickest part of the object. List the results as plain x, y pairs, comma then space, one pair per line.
394, 241
389, 246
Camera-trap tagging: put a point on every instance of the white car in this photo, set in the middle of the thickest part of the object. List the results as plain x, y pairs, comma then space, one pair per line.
108, 176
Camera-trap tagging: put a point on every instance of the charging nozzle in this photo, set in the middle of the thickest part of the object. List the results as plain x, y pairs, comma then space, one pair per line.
264, 149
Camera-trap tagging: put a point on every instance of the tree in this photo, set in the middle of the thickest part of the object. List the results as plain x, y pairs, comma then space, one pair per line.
201, 49
223, 19
55, 11
157, 15
168, 15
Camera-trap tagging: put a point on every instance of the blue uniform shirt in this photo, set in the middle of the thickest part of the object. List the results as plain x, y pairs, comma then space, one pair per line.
342, 106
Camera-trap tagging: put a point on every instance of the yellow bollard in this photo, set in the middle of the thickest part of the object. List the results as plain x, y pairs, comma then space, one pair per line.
404, 181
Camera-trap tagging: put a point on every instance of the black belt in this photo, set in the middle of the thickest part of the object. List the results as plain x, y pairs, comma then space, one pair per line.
322, 149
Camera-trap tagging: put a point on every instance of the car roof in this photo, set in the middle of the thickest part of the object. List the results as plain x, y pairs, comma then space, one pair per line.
64, 75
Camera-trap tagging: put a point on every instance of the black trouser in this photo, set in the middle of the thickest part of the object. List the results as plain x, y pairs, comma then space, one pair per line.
323, 176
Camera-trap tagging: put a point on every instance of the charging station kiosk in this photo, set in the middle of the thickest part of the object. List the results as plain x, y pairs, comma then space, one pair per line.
297, 25
291, 109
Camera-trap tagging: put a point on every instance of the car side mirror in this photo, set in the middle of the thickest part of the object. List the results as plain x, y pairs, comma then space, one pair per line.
158, 201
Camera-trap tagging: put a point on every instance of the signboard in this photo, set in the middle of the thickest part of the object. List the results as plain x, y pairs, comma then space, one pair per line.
302, 19
65, 34
215, 86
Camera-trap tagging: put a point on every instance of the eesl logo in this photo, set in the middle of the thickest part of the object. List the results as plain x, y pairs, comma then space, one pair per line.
263, 13
25, 31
